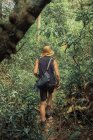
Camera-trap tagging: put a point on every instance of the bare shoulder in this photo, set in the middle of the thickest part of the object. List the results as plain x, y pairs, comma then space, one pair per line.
55, 62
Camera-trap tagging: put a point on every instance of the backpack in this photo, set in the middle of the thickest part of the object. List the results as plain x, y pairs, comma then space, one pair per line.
44, 80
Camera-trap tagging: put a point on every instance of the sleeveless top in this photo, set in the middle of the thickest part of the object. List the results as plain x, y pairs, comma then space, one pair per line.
43, 63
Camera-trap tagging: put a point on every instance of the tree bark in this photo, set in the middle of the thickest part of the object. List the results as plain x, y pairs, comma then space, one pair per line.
0, 9
19, 22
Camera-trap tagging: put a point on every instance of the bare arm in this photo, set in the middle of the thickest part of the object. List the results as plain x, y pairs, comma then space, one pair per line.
36, 68
56, 70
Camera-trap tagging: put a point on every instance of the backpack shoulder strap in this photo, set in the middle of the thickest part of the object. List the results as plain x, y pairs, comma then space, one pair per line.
49, 63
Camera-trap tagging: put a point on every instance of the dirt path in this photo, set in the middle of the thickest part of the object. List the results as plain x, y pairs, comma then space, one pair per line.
51, 128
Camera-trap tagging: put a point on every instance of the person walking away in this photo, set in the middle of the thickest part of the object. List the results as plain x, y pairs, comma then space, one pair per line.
46, 92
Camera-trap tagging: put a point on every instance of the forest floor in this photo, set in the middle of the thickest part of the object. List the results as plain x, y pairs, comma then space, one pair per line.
56, 129
59, 127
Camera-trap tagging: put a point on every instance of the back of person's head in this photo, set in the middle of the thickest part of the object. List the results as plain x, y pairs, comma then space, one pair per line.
47, 51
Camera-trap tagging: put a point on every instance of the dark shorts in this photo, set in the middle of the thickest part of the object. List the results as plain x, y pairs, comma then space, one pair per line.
45, 91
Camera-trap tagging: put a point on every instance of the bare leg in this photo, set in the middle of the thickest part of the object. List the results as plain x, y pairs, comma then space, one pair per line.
49, 100
42, 110
49, 103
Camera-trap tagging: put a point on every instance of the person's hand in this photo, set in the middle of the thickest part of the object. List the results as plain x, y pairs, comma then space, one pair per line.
57, 85
37, 75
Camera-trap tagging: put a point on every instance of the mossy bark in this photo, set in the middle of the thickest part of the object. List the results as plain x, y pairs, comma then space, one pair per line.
0, 9
19, 22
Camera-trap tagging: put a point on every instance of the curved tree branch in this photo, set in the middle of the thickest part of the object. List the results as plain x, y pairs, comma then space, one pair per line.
19, 22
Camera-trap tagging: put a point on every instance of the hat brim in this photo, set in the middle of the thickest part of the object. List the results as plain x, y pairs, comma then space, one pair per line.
48, 54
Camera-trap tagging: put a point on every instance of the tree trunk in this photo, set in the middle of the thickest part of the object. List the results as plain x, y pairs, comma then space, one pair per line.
19, 22
19, 4
0, 9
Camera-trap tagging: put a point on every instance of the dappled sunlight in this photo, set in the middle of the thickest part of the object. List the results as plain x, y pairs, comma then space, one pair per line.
67, 27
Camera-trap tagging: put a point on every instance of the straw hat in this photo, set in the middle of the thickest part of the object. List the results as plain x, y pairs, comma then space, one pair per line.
47, 51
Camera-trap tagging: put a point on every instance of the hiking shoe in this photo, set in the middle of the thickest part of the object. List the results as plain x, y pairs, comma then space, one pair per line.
43, 123
48, 111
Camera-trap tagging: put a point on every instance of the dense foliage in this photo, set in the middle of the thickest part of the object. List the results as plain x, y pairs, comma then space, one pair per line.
67, 26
